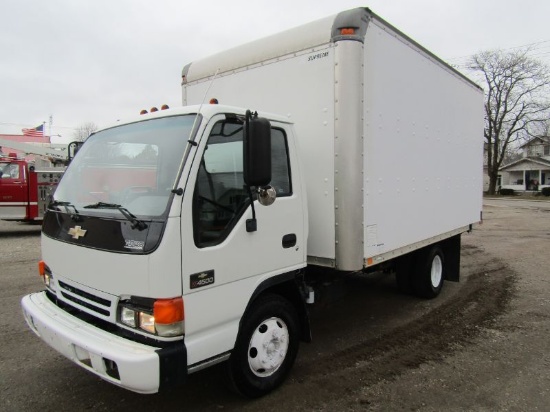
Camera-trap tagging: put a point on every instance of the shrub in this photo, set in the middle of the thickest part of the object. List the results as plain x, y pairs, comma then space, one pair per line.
545, 191
507, 192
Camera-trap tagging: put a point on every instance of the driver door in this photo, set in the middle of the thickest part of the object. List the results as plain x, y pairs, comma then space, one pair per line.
222, 262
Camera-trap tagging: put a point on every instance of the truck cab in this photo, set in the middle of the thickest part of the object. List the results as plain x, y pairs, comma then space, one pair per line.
25, 190
14, 188
151, 236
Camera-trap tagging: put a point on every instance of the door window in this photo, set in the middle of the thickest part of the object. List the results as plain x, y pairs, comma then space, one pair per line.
9, 170
221, 197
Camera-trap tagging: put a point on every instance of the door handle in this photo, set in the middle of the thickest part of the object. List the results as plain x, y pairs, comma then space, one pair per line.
289, 240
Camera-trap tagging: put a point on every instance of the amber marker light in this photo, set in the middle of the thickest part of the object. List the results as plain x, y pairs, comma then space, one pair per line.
169, 317
41, 268
347, 31
168, 310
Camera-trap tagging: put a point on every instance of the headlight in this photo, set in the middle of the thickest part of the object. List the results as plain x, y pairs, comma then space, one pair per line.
161, 317
147, 322
128, 317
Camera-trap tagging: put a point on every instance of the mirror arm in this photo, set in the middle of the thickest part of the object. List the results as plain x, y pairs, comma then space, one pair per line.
251, 224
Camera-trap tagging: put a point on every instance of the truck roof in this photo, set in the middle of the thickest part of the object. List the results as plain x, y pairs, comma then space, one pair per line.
295, 40
206, 110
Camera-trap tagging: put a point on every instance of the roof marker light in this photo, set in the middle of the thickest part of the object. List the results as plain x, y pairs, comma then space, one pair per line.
347, 31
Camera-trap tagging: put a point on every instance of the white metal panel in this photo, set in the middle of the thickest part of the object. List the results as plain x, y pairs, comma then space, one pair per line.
118, 273
300, 86
240, 262
297, 39
348, 157
423, 145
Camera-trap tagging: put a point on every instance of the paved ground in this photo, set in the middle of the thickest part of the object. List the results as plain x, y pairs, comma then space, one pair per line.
483, 345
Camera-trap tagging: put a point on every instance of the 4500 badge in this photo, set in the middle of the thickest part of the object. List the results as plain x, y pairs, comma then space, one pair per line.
201, 279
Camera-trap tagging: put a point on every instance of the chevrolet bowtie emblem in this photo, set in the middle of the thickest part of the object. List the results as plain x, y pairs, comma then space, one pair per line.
77, 232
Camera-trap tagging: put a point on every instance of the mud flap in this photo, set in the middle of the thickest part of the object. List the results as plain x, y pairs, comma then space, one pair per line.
451, 250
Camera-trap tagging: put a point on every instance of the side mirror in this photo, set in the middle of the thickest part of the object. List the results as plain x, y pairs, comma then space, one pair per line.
257, 151
73, 148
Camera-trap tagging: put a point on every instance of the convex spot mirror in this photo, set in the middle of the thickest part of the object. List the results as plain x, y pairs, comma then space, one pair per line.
267, 195
257, 151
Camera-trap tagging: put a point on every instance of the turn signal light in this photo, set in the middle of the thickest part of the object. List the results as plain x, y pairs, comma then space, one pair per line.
42, 268
169, 317
167, 311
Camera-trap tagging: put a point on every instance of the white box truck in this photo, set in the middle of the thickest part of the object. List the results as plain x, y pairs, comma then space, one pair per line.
191, 236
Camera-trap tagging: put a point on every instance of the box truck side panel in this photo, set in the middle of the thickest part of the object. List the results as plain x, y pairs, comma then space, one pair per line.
300, 86
423, 145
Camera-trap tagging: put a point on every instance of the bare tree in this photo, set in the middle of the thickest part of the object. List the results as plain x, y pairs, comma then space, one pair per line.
517, 89
542, 129
83, 131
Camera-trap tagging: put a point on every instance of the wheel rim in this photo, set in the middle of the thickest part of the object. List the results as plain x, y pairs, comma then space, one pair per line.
437, 271
268, 347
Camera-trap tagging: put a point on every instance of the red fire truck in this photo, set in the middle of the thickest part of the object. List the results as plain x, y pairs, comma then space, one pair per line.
24, 187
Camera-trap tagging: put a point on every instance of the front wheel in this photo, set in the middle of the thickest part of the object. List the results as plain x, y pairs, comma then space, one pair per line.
266, 346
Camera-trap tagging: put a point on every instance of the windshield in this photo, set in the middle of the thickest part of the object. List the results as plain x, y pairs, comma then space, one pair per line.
133, 166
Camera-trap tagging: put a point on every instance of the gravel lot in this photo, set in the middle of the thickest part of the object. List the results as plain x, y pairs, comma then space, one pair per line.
482, 345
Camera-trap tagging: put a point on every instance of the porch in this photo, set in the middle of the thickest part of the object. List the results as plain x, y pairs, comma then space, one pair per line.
525, 176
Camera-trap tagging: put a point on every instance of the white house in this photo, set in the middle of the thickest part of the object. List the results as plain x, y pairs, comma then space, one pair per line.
532, 171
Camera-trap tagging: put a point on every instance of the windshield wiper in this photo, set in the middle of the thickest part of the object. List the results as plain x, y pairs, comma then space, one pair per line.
75, 215
136, 223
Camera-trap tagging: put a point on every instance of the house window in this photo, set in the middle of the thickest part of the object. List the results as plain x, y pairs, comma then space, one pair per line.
547, 150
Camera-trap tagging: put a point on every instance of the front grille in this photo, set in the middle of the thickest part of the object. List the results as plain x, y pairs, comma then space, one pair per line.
84, 299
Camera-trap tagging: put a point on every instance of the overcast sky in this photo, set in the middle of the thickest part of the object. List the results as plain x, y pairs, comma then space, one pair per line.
97, 61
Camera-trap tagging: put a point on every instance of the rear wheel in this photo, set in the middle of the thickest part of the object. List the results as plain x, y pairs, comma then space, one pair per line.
266, 346
429, 273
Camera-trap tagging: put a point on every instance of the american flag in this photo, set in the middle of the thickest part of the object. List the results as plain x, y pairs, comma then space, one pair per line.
38, 131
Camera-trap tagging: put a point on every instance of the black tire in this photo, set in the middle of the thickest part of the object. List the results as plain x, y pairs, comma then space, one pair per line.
429, 272
255, 369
